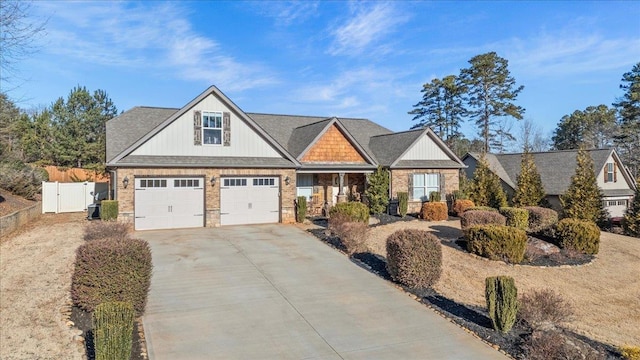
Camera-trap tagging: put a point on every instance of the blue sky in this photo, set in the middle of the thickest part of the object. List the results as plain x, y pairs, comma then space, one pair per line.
338, 58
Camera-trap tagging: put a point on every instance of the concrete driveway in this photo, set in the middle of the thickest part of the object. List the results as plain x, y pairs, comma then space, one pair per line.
275, 292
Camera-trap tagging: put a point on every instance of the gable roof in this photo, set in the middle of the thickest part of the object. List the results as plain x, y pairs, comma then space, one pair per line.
156, 125
555, 167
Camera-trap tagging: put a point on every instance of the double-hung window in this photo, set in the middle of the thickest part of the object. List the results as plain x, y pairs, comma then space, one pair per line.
211, 128
425, 184
610, 177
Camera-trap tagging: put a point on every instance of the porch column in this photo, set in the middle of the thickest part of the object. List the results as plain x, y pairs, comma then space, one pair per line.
341, 196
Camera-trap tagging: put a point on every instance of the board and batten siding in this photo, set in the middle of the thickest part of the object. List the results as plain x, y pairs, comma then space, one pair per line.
425, 148
177, 138
621, 181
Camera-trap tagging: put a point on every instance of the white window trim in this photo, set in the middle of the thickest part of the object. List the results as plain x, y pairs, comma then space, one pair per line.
610, 171
427, 189
221, 128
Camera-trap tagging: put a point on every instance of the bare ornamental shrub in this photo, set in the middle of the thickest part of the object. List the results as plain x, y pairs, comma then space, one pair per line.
353, 234
97, 230
544, 309
552, 345
414, 258
481, 217
540, 218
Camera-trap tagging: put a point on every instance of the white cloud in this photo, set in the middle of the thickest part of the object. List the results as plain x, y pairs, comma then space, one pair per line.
150, 37
289, 12
365, 30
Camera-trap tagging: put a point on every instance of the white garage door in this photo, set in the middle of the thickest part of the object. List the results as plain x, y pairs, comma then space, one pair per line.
169, 203
252, 200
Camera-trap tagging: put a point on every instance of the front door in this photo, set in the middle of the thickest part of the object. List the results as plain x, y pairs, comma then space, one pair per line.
336, 187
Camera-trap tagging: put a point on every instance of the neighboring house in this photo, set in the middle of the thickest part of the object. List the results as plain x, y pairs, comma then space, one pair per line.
209, 163
556, 169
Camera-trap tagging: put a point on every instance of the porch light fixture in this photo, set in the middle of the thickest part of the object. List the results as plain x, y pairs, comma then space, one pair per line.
213, 181
287, 180
125, 182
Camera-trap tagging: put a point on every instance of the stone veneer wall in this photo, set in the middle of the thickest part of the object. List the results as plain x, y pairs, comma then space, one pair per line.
400, 183
211, 193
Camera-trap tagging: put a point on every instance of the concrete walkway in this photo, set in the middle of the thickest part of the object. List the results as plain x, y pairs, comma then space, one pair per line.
275, 292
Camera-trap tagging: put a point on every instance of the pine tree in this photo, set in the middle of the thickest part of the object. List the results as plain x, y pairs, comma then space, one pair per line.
631, 222
485, 187
530, 191
583, 198
378, 190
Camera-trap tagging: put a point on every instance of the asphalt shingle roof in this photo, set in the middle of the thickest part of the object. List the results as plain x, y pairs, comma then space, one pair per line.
215, 161
388, 147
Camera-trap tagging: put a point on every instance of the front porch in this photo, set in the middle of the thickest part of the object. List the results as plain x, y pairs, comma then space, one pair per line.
325, 189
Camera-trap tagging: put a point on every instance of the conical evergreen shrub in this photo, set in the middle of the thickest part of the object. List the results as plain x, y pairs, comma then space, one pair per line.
485, 187
502, 302
113, 330
583, 198
529, 191
631, 221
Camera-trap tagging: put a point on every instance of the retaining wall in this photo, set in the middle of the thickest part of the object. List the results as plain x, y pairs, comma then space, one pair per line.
13, 221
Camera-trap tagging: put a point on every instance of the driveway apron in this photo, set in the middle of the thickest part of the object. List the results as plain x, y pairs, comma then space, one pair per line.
276, 292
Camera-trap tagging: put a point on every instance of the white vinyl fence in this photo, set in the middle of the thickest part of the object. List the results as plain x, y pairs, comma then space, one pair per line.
71, 197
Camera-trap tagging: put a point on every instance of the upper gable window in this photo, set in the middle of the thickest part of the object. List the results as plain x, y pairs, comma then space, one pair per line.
610, 175
211, 128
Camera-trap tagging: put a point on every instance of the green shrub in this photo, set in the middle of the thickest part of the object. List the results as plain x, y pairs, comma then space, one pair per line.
112, 270
516, 217
113, 330
631, 219
356, 211
481, 217
377, 190
502, 302
106, 229
544, 308
461, 205
403, 203
579, 235
497, 242
414, 258
482, 208
301, 208
540, 218
434, 211
109, 210
435, 196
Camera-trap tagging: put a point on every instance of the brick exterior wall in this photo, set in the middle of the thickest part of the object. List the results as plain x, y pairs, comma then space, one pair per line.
400, 183
211, 193
333, 146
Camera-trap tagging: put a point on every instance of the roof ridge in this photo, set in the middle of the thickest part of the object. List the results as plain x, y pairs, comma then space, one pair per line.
155, 107
314, 123
551, 151
306, 116
399, 132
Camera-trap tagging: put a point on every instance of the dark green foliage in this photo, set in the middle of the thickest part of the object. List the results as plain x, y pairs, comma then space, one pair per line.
464, 187
112, 270
378, 190
540, 218
481, 208
435, 196
502, 302
403, 203
486, 189
583, 198
516, 217
592, 128
631, 220
479, 217
414, 258
627, 138
491, 95
354, 211
97, 230
109, 210
434, 211
441, 108
529, 191
113, 330
301, 208
497, 242
579, 235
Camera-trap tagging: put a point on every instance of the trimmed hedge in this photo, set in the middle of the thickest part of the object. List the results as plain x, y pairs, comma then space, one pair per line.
97, 230
579, 235
301, 208
113, 330
403, 203
502, 302
480, 217
462, 205
482, 208
497, 242
434, 211
414, 258
516, 217
109, 210
355, 211
112, 270
540, 218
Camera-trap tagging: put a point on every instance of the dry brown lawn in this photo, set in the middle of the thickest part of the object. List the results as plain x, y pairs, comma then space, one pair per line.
605, 294
36, 264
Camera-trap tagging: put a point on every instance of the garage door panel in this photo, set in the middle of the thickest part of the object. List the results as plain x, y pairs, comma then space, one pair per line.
254, 201
169, 203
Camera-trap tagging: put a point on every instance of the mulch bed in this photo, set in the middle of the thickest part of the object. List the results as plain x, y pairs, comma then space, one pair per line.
470, 317
82, 321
